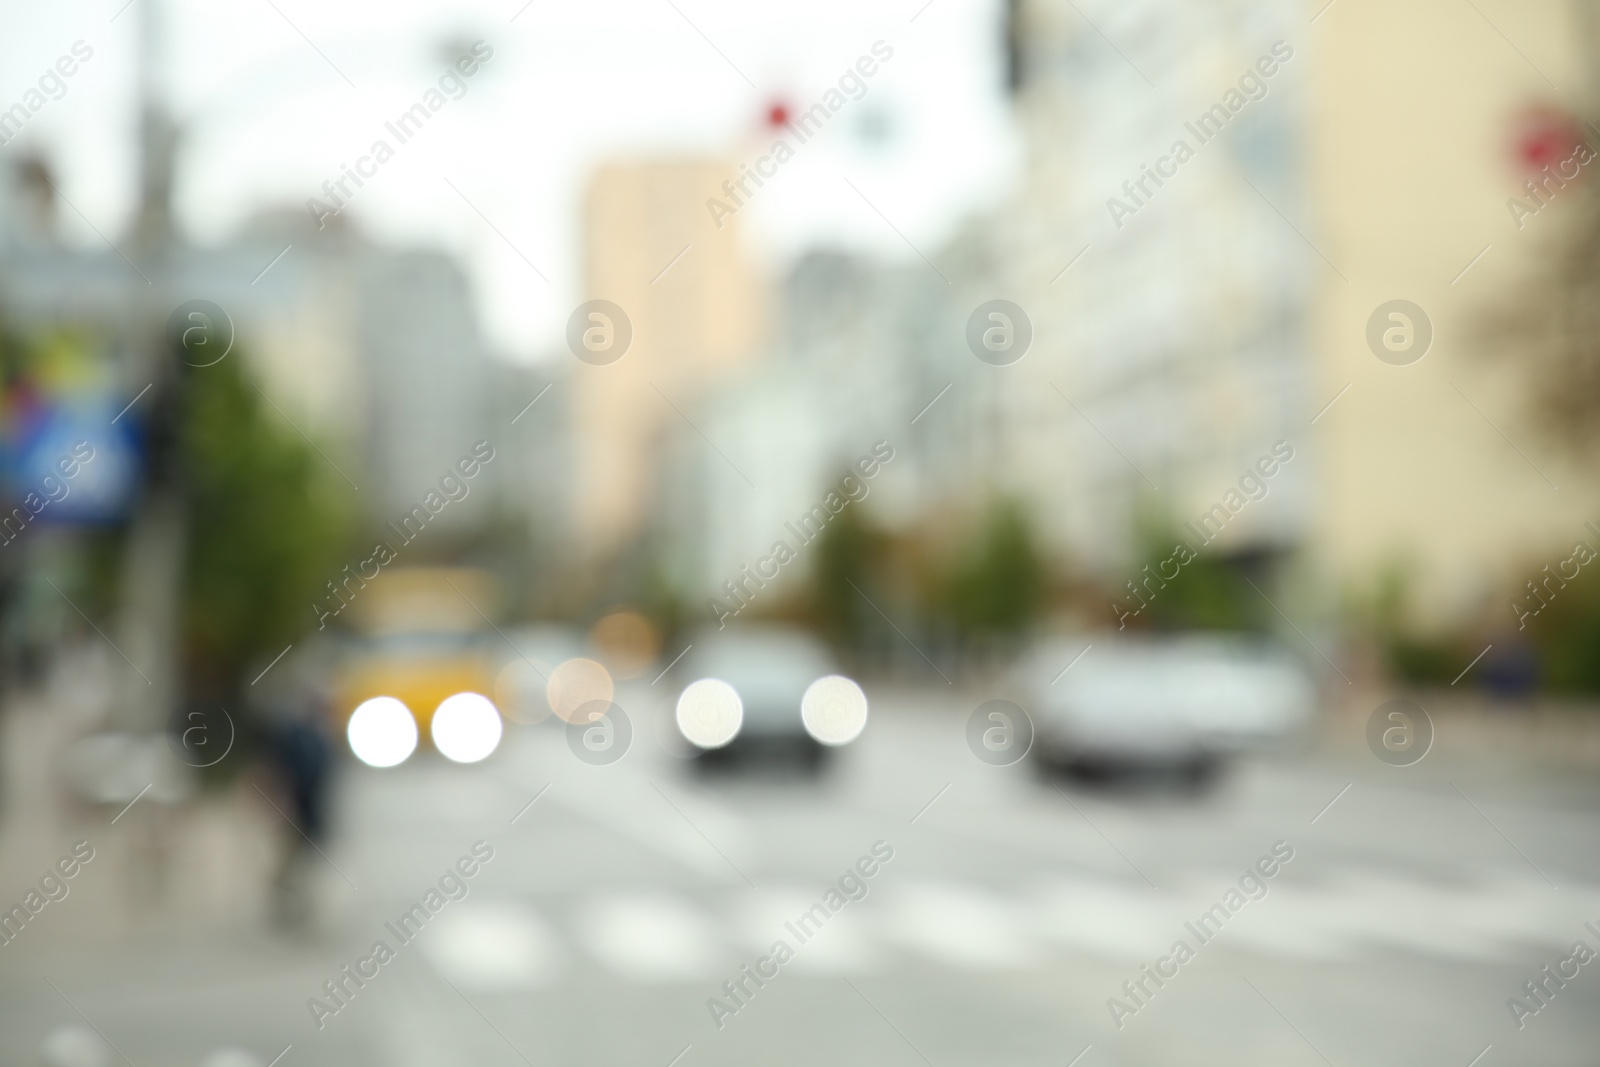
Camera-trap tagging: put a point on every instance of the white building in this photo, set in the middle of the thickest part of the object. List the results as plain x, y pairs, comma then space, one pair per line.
1169, 313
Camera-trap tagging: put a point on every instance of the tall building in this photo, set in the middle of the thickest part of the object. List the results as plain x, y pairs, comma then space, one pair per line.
842, 372
376, 349
1155, 244
1198, 304
697, 308
1416, 154
1169, 350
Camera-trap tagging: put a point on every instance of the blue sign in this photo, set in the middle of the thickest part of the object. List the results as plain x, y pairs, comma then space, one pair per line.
80, 465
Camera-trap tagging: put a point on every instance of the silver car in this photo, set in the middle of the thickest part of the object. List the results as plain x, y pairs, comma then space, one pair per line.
1183, 702
770, 668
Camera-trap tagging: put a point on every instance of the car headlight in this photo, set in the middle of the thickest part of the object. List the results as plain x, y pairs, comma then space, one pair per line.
466, 727
382, 732
710, 713
834, 710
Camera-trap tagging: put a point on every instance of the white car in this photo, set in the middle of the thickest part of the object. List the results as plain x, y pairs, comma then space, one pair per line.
1180, 702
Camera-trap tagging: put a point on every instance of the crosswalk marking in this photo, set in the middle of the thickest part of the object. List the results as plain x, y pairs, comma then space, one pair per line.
652, 937
959, 925
1113, 921
664, 937
495, 945
846, 945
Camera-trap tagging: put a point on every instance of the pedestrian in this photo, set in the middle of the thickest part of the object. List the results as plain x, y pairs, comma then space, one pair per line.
301, 758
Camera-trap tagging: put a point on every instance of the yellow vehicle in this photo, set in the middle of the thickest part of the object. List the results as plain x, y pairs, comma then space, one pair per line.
420, 638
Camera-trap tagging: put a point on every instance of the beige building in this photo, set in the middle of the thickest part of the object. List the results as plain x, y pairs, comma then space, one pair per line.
1435, 465
696, 306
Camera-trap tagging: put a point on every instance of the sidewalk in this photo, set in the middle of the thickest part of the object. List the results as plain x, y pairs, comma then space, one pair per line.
202, 863
1551, 731
162, 934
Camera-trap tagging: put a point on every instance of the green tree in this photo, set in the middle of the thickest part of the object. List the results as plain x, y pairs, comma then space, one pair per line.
850, 552
1207, 593
997, 581
269, 523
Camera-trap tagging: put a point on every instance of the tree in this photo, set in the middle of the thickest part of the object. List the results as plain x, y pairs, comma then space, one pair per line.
996, 582
849, 553
269, 522
1208, 592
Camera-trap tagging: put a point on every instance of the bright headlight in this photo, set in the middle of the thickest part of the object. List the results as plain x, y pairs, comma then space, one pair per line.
382, 732
710, 713
466, 727
834, 710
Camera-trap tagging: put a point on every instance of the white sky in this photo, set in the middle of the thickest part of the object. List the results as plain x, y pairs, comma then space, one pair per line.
569, 85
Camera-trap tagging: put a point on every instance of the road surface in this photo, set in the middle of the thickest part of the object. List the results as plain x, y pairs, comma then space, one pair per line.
1009, 913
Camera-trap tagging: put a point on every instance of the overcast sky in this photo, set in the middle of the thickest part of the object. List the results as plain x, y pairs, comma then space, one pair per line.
261, 86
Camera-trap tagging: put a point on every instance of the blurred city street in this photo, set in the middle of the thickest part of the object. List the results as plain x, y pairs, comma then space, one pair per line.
621, 897
661, 533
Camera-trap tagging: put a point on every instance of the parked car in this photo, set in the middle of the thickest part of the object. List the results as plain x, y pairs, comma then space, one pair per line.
1183, 703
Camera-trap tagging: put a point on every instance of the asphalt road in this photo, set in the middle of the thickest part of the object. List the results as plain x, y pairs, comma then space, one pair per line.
620, 898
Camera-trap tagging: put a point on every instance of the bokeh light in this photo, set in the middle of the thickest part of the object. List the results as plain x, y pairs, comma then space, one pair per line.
519, 691
834, 710
382, 732
575, 683
466, 727
627, 642
710, 713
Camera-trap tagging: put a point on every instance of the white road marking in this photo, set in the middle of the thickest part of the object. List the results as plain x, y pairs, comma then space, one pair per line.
652, 938
655, 938
494, 945
957, 924
844, 945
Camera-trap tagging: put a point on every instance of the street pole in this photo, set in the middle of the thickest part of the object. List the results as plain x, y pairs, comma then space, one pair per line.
151, 594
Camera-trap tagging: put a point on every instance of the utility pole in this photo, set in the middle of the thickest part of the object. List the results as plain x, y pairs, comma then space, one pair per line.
151, 594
